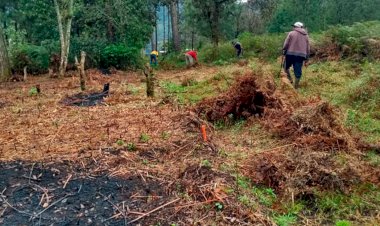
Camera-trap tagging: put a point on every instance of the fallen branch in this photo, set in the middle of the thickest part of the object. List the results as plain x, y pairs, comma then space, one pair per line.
154, 210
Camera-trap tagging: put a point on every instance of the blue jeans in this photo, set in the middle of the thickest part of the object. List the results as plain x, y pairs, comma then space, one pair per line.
153, 58
296, 62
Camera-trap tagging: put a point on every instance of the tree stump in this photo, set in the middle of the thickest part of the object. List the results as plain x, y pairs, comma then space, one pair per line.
148, 71
81, 70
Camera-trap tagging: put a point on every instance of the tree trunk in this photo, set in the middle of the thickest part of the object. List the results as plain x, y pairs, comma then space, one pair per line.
175, 27
148, 71
64, 27
5, 70
215, 26
25, 73
81, 70
164, 23
110, 27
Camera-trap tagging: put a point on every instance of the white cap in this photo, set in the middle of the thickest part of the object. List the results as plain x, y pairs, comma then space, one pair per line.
298, 24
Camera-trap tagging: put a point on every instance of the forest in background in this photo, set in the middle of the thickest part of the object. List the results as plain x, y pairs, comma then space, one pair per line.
113, 33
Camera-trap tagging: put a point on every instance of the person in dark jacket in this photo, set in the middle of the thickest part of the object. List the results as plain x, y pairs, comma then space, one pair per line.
296, 50
239, 48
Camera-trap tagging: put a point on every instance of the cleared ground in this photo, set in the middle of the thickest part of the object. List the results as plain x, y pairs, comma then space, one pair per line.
134, 159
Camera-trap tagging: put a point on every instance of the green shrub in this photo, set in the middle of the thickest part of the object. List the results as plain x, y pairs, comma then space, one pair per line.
121, 57
360, 39
267, 46
219, 55
36, 58
172, 61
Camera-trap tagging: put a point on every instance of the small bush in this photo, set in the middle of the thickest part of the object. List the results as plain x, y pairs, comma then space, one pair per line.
220, 55
36, 58
267, 46
172, 61
359, 40
121, 57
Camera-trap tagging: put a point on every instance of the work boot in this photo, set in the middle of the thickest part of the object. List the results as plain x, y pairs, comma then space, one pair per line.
289, 76
297, 83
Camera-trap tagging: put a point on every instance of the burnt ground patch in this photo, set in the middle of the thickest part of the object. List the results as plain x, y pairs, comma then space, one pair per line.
87, 99
59, 194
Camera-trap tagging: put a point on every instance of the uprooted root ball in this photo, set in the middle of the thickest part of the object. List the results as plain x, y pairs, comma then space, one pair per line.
245, 98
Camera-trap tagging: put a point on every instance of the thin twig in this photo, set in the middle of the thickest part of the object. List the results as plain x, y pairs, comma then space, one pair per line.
51, 205
14, 208
154, 210
67, 181
31, 172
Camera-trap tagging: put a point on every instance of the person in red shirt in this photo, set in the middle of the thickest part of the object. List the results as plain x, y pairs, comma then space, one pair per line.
191, 58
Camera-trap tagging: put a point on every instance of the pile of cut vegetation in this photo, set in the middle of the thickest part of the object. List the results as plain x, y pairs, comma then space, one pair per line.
246, 98
315, 141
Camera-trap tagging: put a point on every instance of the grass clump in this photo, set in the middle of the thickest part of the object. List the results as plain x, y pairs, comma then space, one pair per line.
285, 220
144, 138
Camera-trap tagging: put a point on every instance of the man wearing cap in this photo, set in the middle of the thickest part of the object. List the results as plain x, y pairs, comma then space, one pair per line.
296, 50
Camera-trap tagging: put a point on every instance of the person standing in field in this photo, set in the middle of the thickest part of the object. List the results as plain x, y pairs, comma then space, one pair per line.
296, 50
191, 58
239, 48
153, 57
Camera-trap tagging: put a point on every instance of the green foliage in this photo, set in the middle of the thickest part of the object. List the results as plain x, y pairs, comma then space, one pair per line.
206, 163
219, 55
373, 158
285, 220
131, 147
144, 138
343, 223
121, 57
366, 89
359, 39
171, 87
266, 46
266, 196
172, 61
120, 142
33, 91
219, 206
364, 200
319, 14
165, 135
36, 58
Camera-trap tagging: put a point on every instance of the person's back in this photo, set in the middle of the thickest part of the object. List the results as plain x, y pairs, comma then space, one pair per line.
153, 57
154, 52
193, 54
297, 43
238, 47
